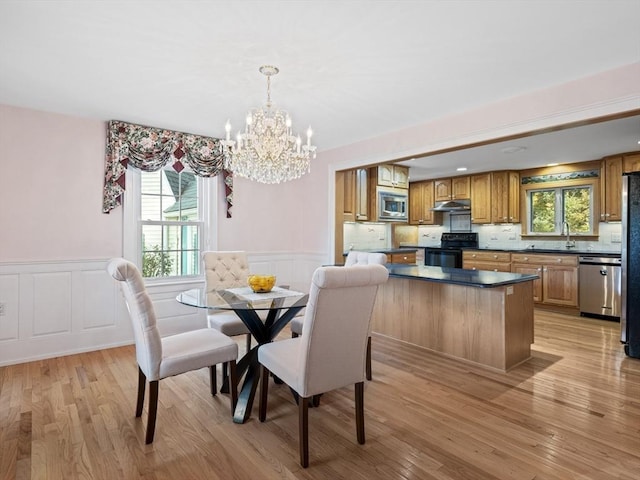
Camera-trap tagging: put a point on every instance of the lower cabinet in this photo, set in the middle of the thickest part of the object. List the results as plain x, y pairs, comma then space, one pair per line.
486, 260
558, 282
409, 257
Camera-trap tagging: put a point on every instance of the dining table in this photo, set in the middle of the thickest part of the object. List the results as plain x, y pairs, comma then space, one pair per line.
264, 314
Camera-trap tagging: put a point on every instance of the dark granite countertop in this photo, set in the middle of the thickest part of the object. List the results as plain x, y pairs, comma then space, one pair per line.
458, 276
553, 251
386, 250
559, 251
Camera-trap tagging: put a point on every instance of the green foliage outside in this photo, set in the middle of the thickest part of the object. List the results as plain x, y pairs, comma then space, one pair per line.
543, 211
156, 263
576, 210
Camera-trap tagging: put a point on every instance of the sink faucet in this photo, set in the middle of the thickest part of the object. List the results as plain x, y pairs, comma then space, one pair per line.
565, 230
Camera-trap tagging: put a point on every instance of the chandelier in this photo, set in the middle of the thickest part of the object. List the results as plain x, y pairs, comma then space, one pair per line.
267, 151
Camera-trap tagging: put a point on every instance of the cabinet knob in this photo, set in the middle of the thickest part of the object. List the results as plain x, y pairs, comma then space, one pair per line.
495, 269
405, 258
495, 256
544, 269
473, 256
539, 269
526, 259
559, 260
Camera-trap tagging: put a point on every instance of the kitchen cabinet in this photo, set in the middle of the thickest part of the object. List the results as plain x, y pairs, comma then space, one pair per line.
505, 197
496, 261
393, 176
408, 257
456, 188
362, 194
558, 282
631, 162
356, 195
421, 201
481, 198
611, 189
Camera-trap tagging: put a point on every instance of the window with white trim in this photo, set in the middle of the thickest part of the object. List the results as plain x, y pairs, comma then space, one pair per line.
549, 208
168, 215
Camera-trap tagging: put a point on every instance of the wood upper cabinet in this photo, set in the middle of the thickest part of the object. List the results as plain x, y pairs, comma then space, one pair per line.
421, 201
611, 189
558, 283
362, 194
481, 198
356, 195
349, 196
505, 197
393, 176
631, 162
456, 188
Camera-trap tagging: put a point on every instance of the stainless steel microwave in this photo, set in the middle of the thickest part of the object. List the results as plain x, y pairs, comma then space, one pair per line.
393, 205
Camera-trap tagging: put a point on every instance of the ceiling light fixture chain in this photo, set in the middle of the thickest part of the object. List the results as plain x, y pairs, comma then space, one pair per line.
268, 151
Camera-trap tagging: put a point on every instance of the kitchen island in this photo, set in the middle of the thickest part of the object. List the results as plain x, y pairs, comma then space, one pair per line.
481, 317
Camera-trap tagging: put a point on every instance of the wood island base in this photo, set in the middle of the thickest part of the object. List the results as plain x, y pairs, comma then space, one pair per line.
492, 327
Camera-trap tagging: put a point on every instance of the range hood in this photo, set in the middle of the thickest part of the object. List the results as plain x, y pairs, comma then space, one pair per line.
452, 206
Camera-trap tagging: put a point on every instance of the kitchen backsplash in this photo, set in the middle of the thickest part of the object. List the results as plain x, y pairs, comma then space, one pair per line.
367, 236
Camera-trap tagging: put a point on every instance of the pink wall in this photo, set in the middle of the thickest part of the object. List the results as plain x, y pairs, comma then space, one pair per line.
51, 175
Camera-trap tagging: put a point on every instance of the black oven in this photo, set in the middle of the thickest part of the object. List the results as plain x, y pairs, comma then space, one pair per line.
442, 257
449, 253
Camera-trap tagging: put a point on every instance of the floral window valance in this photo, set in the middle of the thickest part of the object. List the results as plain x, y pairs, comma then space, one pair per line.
150, 149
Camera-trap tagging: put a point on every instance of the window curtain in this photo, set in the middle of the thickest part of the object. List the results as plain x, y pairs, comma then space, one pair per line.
150, 149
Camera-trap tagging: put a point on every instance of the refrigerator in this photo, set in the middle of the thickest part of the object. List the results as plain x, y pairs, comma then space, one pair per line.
630, 298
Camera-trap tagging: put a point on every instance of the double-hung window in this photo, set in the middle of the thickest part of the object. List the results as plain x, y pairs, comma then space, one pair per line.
550, 208
169, 219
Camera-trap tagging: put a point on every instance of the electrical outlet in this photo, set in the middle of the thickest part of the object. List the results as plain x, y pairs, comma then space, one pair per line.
2, 309
616, 237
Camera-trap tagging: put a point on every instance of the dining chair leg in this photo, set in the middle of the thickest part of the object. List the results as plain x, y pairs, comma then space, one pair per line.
233, 385
248, 340
213, 379
142, 385
368, 361
264, 391
225, 372
360, 412
303, 421
153, 410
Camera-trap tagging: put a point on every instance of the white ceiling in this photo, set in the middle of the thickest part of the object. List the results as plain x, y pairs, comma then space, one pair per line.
351, 69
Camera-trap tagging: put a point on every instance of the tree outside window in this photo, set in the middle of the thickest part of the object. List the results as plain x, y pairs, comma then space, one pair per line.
549, 208
170, 222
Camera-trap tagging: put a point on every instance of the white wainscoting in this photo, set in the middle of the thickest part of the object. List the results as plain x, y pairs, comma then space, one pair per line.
51, 309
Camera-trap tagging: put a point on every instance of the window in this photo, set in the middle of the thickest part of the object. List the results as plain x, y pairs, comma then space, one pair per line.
550, 208
167, 218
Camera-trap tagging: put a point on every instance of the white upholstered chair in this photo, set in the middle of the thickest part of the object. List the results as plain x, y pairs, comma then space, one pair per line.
353, 258
226, 269
161, 357
331, 351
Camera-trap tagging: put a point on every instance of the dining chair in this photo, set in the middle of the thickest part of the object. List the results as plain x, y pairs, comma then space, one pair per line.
330, 353
353, 258
161, 357
226, 269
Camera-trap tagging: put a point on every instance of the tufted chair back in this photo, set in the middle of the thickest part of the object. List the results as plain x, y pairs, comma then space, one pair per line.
364, 258
228, 269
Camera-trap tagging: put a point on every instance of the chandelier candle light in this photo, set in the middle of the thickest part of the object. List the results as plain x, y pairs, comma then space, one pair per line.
267, 151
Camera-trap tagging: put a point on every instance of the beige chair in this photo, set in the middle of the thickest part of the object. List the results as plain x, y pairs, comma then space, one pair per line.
161, 357
353, 258
331, 352
226, 269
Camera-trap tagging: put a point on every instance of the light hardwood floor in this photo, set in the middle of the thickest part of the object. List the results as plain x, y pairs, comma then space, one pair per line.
572, 412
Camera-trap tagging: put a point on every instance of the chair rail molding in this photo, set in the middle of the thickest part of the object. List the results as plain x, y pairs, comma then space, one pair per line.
56, 308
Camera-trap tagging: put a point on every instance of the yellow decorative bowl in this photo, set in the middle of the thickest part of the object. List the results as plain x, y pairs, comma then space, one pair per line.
261, 283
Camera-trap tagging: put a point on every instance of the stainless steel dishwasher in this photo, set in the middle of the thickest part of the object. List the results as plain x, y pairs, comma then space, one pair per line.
600, 284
